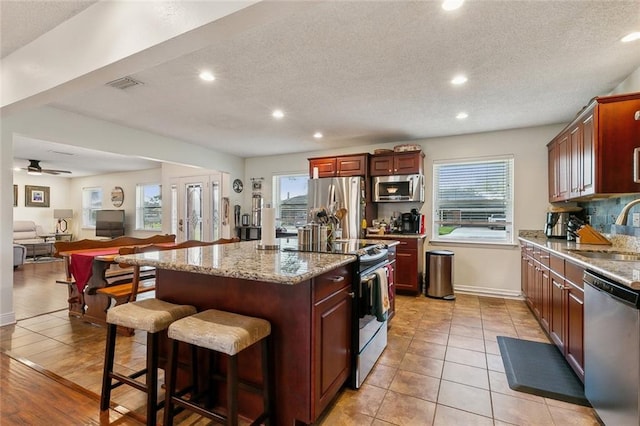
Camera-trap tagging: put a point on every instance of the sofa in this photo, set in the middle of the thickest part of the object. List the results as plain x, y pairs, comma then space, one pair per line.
19, 255
27, 233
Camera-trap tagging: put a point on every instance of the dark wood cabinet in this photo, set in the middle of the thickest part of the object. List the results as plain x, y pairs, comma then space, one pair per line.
599, 155
554, 293
559, 168
408, 268
332, 335
341, 166
398, 163
574, 287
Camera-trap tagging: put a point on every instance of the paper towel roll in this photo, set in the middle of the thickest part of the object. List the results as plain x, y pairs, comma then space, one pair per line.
268, 226
316, 173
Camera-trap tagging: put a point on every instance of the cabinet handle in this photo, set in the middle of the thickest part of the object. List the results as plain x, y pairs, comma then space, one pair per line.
336, 279
636, 166
352, 294
544, 257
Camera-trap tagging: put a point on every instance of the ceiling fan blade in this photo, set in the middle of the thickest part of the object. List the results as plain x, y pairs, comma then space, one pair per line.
55, 172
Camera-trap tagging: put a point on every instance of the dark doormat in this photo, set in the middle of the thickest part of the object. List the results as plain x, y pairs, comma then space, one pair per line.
540, 369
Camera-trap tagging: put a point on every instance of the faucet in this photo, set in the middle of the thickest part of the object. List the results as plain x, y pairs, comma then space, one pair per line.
622, 217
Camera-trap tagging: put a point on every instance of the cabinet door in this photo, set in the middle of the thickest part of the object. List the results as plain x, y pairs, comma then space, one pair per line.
381, 165
408, 163
558, 311
531, 280
575, 161
332, 346
575, 329
354, 165
545, 297
587, 186
559, 169
326, 166
407, 270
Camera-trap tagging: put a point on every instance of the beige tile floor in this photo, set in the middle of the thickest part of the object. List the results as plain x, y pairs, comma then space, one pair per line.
442, 366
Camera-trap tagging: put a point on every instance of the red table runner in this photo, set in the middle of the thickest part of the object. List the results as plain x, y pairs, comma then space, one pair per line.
81, 265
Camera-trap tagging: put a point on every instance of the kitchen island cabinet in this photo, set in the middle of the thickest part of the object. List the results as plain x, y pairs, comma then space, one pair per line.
305, 296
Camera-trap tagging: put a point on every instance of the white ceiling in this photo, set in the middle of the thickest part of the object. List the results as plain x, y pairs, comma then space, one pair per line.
366, 72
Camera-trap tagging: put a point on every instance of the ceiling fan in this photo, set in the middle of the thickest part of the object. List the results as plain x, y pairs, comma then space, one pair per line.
34, 169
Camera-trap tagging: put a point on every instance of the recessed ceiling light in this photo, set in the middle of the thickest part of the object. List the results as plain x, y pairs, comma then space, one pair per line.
459, 79
317, 135
462, 115
277, 114
631, 37
452, 4
207, 76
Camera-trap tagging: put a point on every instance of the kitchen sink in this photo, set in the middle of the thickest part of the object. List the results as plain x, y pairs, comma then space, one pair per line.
608, 255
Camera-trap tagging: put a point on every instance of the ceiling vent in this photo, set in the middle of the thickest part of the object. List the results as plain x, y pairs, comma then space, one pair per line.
124, 83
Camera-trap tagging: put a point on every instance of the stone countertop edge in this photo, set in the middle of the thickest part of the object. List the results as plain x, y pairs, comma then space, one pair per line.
620, 271
399, 236
243, 260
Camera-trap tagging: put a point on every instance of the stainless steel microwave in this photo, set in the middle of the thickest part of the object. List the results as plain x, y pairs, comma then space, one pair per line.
398, 188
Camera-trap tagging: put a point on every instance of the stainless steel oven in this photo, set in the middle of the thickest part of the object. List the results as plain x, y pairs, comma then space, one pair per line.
369, 325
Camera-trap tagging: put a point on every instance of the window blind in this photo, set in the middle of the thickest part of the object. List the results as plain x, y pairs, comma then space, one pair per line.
473, 200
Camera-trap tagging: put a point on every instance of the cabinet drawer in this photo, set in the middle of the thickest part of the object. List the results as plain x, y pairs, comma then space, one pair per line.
557, 265
574, 274
407, 244
328, 283
542, 256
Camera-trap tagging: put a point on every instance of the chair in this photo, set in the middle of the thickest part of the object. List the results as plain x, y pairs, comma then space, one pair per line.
222, 333
150, 315
19, 255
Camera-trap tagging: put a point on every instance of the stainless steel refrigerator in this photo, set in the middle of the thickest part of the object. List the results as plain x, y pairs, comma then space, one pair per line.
332, 194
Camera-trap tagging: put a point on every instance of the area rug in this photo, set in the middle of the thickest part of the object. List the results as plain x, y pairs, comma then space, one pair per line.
43, 259
540, 369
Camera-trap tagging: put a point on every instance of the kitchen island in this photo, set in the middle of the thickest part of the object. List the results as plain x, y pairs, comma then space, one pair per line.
306, 296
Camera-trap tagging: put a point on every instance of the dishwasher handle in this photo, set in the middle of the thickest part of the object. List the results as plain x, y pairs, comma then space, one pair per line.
614, 289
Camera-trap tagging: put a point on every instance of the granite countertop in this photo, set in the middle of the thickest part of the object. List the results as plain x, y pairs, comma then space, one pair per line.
624, 272
245, 261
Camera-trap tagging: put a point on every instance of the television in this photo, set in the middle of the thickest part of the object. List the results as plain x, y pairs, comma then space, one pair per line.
109, 223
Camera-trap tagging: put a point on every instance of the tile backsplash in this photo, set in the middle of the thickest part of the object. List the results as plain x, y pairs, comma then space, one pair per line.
603, 215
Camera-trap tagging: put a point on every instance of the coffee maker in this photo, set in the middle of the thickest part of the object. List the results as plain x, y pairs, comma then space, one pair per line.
410, 222
557, 223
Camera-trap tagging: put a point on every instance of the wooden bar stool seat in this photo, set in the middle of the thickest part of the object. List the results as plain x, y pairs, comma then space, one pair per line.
152, 316
225, 333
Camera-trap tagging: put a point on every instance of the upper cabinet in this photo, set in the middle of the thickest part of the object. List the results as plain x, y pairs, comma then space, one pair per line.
397, 163
594, 155
341, 166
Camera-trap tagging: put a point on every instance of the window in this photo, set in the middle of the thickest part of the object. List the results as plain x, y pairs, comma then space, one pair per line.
473, 201
290, 195
149, 207
91, 202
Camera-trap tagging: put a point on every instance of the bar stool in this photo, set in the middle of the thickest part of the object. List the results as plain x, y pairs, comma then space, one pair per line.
152, 316
225, 333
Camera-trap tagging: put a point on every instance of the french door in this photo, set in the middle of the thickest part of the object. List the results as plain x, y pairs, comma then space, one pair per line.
195, 207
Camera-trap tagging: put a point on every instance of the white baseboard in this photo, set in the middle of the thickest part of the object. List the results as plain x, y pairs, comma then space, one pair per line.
7, 319
490, 292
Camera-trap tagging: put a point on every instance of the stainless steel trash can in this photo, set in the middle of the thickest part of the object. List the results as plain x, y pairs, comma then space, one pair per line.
439, 274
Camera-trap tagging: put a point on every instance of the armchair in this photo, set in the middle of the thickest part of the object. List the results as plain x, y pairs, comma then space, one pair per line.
19, 255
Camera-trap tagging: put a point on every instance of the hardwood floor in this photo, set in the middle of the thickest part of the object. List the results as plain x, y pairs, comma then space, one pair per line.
35, 291
442, 367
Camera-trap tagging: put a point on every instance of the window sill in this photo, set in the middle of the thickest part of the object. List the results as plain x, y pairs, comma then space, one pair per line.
473, 243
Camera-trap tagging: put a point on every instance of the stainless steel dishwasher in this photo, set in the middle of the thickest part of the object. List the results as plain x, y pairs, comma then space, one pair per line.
612, 350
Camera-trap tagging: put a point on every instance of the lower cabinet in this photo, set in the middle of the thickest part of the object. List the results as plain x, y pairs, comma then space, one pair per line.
553, 290
408, 266
331, 336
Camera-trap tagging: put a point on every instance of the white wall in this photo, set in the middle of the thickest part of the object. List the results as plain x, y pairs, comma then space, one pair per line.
127, 181
58, 199
630, 84
490, 269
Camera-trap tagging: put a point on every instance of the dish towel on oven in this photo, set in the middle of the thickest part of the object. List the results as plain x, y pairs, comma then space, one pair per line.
381, 295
